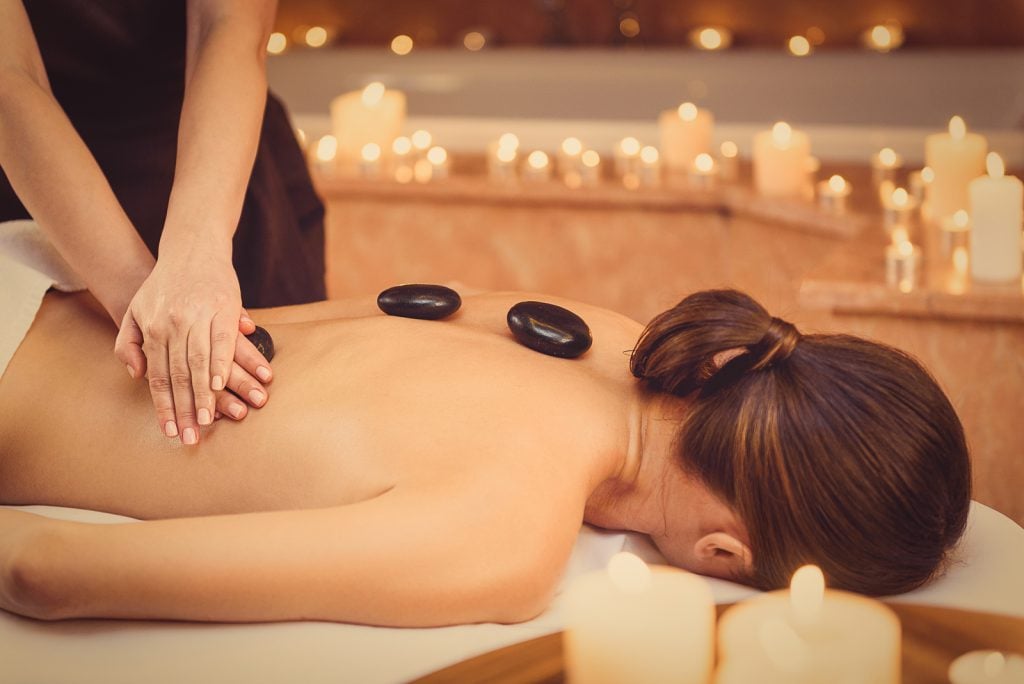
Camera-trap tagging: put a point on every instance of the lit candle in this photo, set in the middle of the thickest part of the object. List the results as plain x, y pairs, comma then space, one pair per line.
703, 172
401, 158
569, 156
808, 634
728, 161
650, 166
590, 168
538, 166
832, 195
956, 158
901, 261
371, 115
369, 165
421, 141
918, 181
955, 232
898, 211
685, 132
987, 667
996, 202
501, 158
781, 161
885, 165
711, 37
326, 154
631, 623
883, 37
627, 156
438, 158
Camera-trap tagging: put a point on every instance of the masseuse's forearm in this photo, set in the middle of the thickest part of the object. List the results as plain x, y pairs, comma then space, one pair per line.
219, 130
63, 188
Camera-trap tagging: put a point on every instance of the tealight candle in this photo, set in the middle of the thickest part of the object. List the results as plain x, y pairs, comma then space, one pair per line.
955, 232
369, 165
650, 166
631, 623
326, 154
808, 634
898, 210
501, 158
918, 181
627, 156
987, 667
996, 202
401, 159
728, 161
832, 195
781, 161
538, 166
590, 168
685, 132
438, 158
569, 156
885, 165
901, 260
956, 158
703, 171
421, 141
371, 115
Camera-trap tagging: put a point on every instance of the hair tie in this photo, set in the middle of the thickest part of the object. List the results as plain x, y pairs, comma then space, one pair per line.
777, 343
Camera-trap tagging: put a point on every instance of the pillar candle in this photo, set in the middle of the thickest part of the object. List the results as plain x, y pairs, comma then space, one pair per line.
996, 209
781, 160
631, 623
685, 132
955, 158
371, 115
808, 634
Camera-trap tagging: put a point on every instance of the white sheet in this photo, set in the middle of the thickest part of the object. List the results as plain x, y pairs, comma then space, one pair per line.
987, 576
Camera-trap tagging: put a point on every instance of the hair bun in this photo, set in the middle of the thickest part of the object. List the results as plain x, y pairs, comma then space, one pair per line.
777, 343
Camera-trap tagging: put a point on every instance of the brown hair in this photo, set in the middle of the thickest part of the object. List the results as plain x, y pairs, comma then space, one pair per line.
832, 449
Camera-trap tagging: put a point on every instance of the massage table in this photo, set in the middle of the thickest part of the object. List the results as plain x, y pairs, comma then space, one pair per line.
987, 574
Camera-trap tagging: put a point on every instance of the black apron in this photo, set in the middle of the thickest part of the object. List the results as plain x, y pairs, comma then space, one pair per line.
117, 67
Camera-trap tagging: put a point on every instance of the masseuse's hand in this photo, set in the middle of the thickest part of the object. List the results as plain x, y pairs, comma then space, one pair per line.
181, 329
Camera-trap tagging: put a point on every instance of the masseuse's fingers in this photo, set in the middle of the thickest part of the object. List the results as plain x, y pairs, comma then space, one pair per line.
246, 386
250, 359
231, 406
181, 389
128, 346
199, 365
223, 331
246, 325
160, 385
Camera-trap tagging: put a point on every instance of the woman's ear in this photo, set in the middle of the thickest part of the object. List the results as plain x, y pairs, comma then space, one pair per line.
723, 555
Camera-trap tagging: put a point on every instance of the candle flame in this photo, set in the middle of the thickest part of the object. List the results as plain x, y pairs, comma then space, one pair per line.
509, 141
630, 146
277, 43
421, 139
928, 174
401, 45
628, 573
961, 219
710, 38
373, 94
703, 162
687, 111
904, 248
729, 149
316, 36
957, 128
572, 146
994, 165
649, 155
799, 46
900, 198
881, 37
437, 155
590, 159
837, 183
371, 152
887, 156
506, 154
326, 148
807, 593
537, 159
401, 145
782, 134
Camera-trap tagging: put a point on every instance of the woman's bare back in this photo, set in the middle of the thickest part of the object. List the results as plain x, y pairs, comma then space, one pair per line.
361, 403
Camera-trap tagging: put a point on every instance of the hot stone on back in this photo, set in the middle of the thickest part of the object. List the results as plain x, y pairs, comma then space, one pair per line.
427, 302
549, 329
263, 342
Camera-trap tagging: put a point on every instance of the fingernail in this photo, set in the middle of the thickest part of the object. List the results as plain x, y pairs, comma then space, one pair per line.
236, 410
131, 371
171, 429
263, 373
217, 383
188, 436
204, 416
256, 397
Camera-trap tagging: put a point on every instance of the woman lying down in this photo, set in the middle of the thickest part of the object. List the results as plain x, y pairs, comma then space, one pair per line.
416, 473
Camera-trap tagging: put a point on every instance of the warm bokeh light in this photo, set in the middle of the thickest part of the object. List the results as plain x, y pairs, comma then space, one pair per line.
506, 154
590, 159
711, 38
628, 573
807, 593
729, 149
421, 139
401, 145
370, 152
572, 147
277, 43
904, 248
509, 140
474, 41
900, 198
537, 159
799, 46
837, 184
816, 35
326, 148
629, 27
703, 162
687, 111
630, 146
316, 37
994, 165
928, 174
437, 155
887, 156
373, 94
782, 133
649, 155
960, 219
401, 44
884, 37
957, 128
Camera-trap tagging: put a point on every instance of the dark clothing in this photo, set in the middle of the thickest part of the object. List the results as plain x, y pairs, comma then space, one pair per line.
117, 67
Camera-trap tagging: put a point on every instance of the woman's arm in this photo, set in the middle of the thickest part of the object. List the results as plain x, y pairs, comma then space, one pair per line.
415, 558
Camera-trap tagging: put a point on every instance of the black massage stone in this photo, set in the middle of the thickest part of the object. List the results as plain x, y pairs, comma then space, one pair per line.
263, 342
549, 329
427, 302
